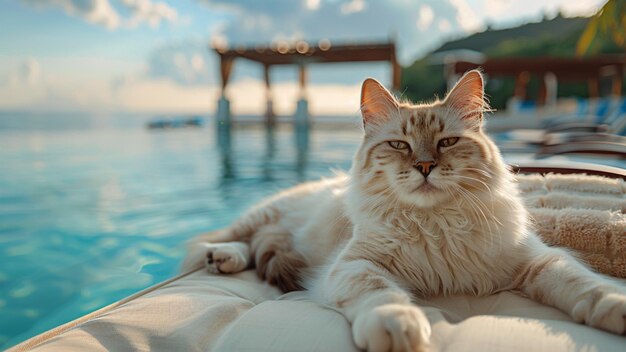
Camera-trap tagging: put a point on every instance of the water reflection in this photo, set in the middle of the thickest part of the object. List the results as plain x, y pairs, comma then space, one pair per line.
224, 144
270, 153
302, 148
229, 152
110, 212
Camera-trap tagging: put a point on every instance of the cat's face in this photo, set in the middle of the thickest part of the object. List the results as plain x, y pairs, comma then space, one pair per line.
425, 155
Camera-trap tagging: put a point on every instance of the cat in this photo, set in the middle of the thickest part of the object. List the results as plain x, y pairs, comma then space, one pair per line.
428, 208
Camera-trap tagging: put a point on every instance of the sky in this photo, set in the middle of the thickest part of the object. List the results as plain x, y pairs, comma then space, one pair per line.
152, 56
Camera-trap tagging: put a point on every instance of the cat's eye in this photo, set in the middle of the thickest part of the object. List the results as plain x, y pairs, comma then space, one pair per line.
447, 142
398, 145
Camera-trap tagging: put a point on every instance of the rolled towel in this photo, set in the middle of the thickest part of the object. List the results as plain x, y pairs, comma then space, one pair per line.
615, 267
583, 213
563, 200
586, 230
585, 184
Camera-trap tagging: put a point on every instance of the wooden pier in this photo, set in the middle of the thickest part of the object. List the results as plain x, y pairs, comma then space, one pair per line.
301, 54
551, 70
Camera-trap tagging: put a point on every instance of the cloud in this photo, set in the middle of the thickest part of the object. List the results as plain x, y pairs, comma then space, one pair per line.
341, 21
312, 4
426, 17
150, 12
418, 25
191, 62
98, 12
183, 76
353, 6
466, 16
29, 72
22, 85
103, 13
186, 62
511, 12
247, 97
444, 25
29, 86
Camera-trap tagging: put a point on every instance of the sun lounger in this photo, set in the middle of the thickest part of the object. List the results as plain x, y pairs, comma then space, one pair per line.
609, 118
613, 120
589, 111
198, 311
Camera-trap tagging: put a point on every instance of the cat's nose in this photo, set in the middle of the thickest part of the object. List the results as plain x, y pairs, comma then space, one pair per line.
425, 167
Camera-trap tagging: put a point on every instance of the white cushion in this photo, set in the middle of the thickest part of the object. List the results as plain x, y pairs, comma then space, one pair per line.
203, 312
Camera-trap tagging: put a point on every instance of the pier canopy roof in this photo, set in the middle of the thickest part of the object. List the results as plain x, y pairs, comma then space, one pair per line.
562, 69
302, 53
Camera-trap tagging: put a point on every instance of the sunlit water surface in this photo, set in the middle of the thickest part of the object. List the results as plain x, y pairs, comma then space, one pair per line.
93, 209
90, 215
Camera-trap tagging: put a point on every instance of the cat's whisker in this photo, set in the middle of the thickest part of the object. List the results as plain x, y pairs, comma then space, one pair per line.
487, 186
482, 172
490, 237
482, 205
477, 205
453, 191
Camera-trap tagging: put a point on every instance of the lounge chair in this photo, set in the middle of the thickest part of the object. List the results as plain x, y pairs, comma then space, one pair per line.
606, 115
612, 120
608, 138
197, 311
589, 111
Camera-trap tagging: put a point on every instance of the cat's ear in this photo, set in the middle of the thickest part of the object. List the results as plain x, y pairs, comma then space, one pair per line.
377, 103
468, 96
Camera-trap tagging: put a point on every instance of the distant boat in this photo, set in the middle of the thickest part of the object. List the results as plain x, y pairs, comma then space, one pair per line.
193, 121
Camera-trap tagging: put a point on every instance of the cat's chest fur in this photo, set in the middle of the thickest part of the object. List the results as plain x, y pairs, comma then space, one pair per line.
448, 252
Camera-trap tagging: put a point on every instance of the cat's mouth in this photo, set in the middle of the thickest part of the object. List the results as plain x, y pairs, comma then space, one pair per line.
425, 187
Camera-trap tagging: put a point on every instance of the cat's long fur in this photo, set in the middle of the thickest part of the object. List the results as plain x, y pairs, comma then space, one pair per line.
383, 235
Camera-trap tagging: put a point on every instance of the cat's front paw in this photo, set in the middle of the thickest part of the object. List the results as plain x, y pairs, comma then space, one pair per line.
604, 308
392, 327
226, 258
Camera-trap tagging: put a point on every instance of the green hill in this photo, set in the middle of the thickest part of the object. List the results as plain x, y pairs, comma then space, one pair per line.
492, 42
550, 37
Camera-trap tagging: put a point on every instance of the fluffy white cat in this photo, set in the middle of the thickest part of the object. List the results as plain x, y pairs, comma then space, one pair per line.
428, 208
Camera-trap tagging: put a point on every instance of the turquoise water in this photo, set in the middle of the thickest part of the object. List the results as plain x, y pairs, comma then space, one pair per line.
91, 213
95, 208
